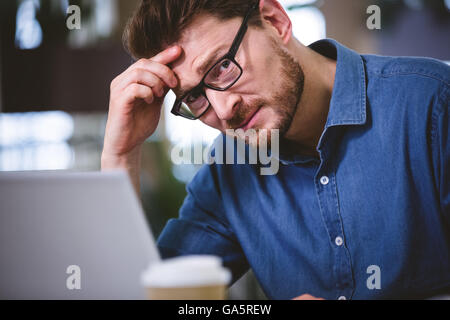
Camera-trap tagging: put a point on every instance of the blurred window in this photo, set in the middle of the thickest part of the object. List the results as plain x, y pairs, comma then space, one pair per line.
35, 141
308, 22
28, 29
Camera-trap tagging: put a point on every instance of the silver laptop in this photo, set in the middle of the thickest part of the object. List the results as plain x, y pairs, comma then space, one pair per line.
66, 235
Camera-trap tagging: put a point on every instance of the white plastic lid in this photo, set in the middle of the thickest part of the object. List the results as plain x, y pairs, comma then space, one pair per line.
186, 271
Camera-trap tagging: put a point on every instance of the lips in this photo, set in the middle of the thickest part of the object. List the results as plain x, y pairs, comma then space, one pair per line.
248, 122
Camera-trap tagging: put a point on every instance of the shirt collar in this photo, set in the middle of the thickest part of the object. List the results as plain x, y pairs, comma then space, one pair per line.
348, 100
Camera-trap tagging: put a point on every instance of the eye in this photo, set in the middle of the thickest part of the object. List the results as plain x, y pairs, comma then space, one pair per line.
222, 69
224, 73
224, 65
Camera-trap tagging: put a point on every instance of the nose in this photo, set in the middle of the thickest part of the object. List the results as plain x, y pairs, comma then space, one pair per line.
223, 103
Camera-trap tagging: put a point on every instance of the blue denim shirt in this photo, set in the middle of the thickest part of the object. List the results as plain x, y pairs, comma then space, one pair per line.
369, 219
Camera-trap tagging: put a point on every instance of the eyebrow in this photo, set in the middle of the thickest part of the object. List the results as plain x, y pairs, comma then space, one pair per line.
204, 67
208, 62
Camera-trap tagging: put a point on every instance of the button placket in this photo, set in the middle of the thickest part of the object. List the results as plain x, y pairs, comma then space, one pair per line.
329, 206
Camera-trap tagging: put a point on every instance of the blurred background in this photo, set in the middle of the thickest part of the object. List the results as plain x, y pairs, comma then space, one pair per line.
54, 84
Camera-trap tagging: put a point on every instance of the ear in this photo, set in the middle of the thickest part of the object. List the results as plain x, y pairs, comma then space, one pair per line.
274, 15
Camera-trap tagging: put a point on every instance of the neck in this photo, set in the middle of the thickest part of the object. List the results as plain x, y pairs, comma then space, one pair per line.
312, 111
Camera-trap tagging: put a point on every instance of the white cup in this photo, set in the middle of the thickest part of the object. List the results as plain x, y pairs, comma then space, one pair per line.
197, 277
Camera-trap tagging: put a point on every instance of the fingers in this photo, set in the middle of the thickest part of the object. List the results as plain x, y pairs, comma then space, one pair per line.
167, 56
152, 73
138, 91
144, 77
158, 65
162, 71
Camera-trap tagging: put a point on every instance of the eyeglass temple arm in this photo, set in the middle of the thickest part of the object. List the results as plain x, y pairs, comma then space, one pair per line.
242, 30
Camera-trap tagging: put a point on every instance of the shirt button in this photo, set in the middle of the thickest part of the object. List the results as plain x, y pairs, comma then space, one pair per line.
342, 298
324, 180
338, 241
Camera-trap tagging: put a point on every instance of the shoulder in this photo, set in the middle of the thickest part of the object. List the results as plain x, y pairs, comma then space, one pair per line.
410, 69
420, 84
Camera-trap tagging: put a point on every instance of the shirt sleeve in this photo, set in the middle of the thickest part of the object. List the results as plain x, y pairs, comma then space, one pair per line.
201, 227
441, 150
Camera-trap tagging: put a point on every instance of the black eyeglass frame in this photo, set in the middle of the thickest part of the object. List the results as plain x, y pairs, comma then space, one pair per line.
230, 55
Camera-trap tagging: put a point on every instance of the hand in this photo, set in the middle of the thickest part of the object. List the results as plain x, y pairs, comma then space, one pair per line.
307, 297
135, 103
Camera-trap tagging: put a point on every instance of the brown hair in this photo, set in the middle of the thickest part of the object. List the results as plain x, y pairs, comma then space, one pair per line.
159, 23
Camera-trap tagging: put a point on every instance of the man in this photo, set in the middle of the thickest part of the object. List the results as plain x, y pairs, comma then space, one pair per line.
360, 206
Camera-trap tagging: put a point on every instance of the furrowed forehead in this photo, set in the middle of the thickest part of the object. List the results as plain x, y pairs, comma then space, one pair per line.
200, 68
204, 43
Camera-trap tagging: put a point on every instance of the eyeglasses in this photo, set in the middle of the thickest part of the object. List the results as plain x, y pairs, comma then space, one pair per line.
220, 77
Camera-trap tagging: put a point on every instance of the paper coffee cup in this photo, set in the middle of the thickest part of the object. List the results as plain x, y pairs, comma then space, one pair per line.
197, 277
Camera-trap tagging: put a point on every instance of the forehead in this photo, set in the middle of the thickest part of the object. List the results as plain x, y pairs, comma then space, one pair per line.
204, 37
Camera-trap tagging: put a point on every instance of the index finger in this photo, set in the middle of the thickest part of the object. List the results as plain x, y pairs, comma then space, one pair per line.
167, 56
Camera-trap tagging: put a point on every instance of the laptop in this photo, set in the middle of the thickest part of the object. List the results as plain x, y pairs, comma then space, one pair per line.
69, 235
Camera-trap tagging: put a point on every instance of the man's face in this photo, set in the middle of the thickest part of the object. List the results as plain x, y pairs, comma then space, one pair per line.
269, 90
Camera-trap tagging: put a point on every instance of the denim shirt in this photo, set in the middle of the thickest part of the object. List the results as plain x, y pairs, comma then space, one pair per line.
370, 219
